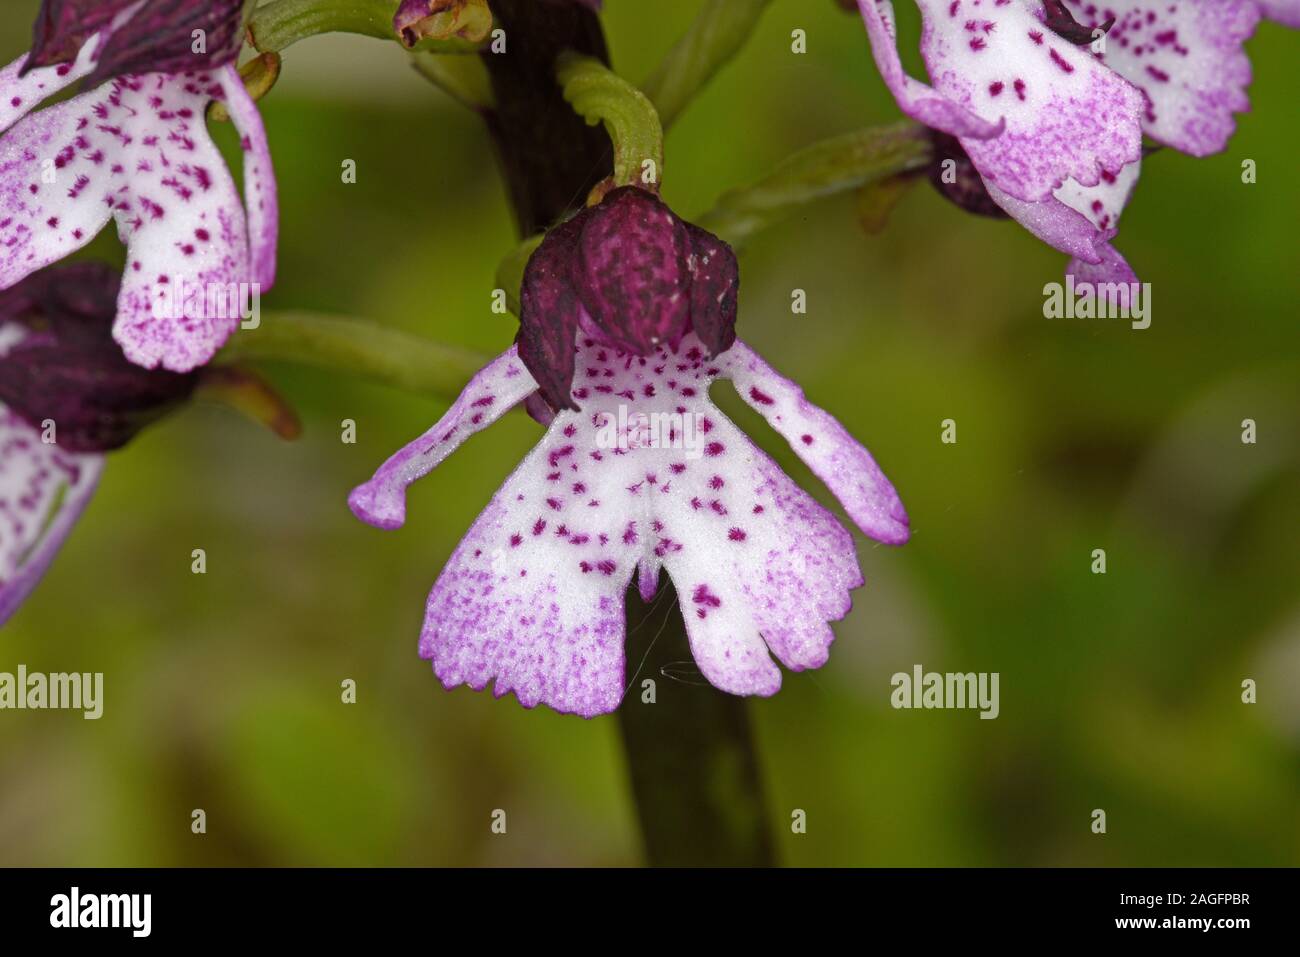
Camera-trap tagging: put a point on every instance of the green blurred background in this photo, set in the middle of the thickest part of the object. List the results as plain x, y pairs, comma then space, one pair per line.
1119, 691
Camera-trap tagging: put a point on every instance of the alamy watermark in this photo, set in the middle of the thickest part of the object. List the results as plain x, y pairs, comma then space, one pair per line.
653, 430
933, 689
1099, 300
74, 909
35, 691
211, 300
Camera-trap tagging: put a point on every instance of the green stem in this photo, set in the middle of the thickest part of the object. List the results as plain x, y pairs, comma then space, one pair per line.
718, 34
281, 23
358, 348
599, 95
832, 166
690, 750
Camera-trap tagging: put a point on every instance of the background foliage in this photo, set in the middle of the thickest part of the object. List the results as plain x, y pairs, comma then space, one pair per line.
1118, 691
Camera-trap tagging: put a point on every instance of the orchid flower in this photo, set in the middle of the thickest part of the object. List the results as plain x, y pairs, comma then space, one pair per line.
67, 396
1051, 117
628, 317
134, 148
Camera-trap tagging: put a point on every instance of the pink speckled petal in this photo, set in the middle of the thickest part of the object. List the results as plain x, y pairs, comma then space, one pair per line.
180, 215
533, 595
19, 94
48, 206
43, 491
1056, 224
1066, 115
758, 564
498, 387
915, 99
825, 446
1111, 270
1285, 12
649, 475
1081, 222
1186, 58
261, 197
136, 149
1104, 203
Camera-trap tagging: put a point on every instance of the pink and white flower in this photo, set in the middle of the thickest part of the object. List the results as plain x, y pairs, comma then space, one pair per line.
1050, 99
135, 149
628, 308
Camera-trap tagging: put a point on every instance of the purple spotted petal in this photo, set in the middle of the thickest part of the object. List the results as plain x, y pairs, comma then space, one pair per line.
1066, 115
137, 150
499, 386
1103, 203
261, 195
834, 456
43, 490
1079, 221
62, 27
1285, 12
532, 599
1188, 61
21, 92
1056, 224
160, 37
632, 272
915, 99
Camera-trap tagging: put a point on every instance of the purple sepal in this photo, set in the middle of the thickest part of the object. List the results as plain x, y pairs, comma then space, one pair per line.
63, 26
70, 371
160, 38
632, 271
550, 308
715, 286
631, 274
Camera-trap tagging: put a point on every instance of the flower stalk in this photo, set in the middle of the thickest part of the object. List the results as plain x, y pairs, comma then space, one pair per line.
356, 348
282, 23
837, 165
600, 95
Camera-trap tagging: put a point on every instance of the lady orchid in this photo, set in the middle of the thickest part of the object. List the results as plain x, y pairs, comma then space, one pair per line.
67, 396
1048, 101
135, 149
628, 313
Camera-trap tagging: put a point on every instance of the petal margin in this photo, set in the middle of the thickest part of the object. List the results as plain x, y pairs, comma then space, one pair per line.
1285, 12
825, 446
917, 100
43, 491
21, 93
499, 386
1067, 116
1188, 60
261, 197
